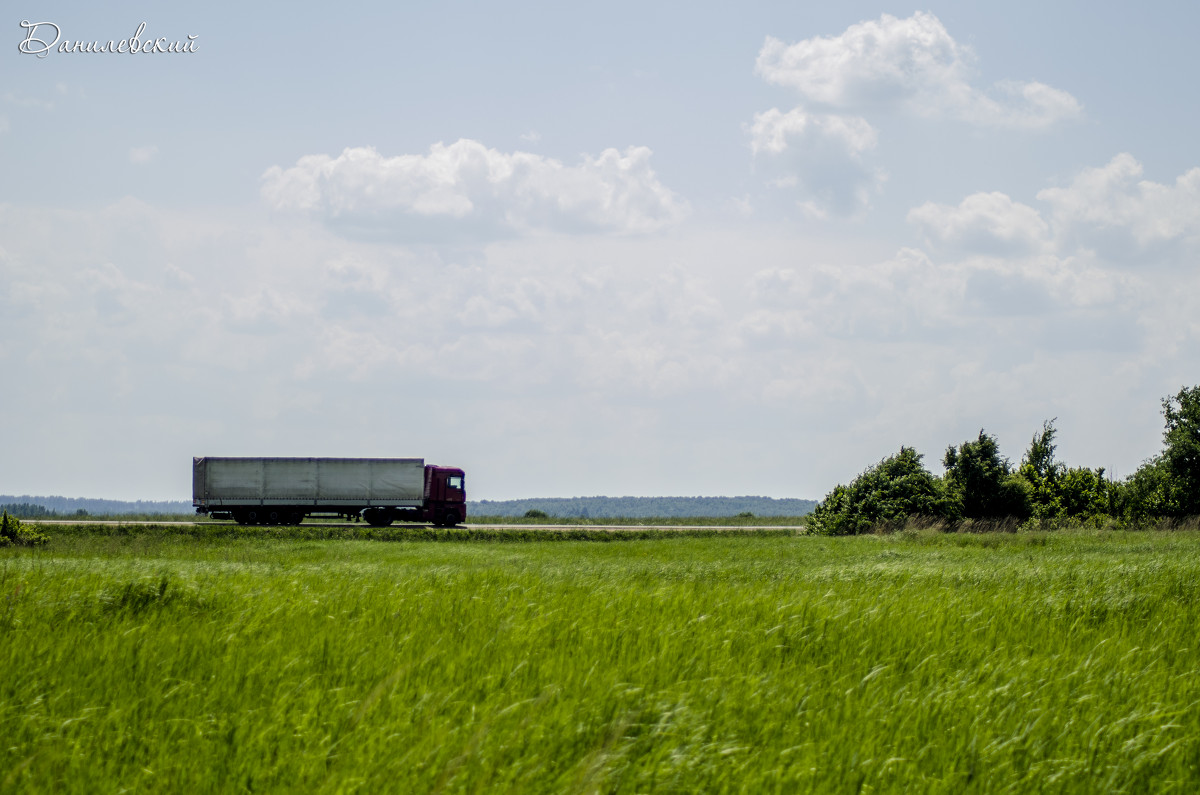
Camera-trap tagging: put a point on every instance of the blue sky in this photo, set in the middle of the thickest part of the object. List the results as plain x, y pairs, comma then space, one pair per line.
631, 250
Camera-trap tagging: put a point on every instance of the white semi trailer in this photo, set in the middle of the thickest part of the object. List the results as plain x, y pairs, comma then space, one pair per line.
285, 490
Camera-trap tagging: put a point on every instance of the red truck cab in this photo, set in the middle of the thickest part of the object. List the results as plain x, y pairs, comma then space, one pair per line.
445, 495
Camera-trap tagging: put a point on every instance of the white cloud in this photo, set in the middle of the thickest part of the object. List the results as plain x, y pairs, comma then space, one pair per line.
821, 154
1114, 197
468, 190
989, 223
913, 64
824, 147
772, 130
998, 269
234, 332
1011, 260
1106, 216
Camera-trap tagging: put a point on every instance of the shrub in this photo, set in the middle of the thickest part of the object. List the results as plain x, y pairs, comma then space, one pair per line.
1181, 451
534, 513
14, 534
1057, 492
1145, 494
1083, 493
981, 482
1042, 473
891, 491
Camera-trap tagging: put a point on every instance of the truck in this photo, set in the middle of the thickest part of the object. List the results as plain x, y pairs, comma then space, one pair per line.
286, 490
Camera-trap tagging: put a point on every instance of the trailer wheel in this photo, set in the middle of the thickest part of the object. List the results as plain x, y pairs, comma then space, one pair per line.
377, 517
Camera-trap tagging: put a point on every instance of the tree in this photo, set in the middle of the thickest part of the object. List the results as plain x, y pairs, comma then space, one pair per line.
891, 491
1083, 493
1145, 493
1042, 473
982, 483
1181, 451
1059, 492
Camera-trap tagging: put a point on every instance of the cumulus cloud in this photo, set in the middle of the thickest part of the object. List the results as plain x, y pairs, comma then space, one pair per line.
1114, 197
772, 130
1011, 260
821, 154
913, 64
1078, 257
470, 191
1107, 215
586, 335
988, 223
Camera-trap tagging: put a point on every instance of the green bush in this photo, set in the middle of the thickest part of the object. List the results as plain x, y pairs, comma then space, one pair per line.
982, 484
1083, 493
1042, 473
1143, 495
1181, 452
889, 492
1042, 493
1167, 485
1058, 492
12, 533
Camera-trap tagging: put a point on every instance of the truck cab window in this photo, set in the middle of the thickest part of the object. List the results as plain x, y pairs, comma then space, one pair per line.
455, 481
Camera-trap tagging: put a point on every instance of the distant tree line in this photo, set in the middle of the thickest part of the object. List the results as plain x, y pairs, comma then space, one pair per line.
641, 507
72, 506
27, 510
980, 484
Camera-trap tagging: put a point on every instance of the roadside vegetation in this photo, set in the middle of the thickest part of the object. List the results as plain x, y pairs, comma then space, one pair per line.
13, 533
346, 531
598, 508
745, 519
981, 489
766, 661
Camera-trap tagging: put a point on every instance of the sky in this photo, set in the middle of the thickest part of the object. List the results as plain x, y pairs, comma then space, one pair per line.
642, 249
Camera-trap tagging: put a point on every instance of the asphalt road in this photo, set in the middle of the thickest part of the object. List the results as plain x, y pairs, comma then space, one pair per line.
468, 525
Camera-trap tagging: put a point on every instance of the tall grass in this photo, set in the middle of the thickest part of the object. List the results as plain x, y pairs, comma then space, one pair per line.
917, 661
650, 521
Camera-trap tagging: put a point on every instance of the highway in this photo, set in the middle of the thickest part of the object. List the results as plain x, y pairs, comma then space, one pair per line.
467, 525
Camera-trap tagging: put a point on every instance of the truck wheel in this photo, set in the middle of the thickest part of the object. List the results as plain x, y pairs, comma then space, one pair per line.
377, 518
450, 519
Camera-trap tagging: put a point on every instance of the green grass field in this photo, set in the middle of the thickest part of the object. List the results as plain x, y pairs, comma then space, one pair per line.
152, 660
